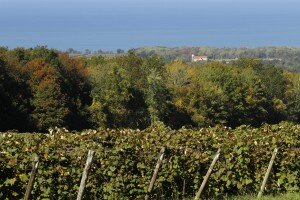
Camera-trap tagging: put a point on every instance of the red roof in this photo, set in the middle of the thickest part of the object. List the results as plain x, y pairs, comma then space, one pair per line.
200, 57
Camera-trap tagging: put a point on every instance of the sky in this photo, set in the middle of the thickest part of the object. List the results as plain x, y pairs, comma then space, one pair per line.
111, 24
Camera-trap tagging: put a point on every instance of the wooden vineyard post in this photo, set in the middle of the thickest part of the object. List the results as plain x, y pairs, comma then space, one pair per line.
35, 164
183, 190
209, 171
153, 179
85, 174
184, 182
267, 173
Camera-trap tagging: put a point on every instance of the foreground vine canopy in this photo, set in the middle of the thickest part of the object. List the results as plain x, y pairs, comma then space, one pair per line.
124, 161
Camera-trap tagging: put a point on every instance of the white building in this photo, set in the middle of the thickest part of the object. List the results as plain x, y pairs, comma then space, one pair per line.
199, 58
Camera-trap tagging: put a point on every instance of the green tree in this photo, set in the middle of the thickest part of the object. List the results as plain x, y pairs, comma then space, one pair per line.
220, 94
292, 96
77, 88
157, 94
14, 98
118, 99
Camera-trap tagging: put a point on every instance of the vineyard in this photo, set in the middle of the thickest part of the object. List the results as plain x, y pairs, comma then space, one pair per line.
124, 161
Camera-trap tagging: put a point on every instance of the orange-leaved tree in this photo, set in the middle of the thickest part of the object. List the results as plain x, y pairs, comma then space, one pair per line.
48, 102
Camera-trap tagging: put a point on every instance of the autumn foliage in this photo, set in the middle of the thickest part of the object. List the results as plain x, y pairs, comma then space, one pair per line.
52, 88
42, 88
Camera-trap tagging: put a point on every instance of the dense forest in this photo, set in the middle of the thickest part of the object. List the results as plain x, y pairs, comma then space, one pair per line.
286, 57
42, 88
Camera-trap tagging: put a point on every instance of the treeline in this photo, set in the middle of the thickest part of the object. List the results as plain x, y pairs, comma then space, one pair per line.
42, 88
283, 57
88, 52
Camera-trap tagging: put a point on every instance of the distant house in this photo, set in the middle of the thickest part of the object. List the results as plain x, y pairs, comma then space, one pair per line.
199, 58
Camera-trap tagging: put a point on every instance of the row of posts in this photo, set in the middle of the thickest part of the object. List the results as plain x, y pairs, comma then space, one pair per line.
154, 176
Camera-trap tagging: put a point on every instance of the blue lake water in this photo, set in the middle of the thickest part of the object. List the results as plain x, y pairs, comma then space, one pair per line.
129, 24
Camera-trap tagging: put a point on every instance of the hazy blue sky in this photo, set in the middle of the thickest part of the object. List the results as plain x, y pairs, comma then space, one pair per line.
111, 24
